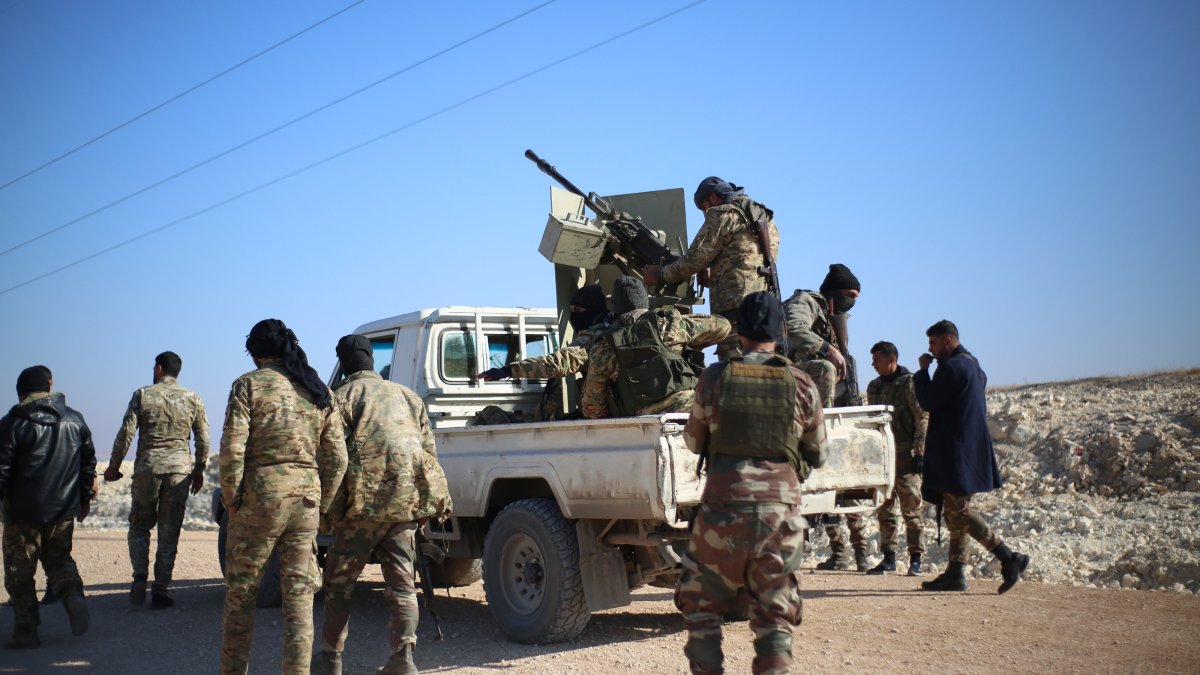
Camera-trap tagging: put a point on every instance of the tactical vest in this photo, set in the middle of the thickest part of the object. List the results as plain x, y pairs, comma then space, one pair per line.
756, 407
647, 371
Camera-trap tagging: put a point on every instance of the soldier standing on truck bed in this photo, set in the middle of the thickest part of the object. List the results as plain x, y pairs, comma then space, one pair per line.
757, 421
728, 245
393, 485
639, 366
283, 456
164, 415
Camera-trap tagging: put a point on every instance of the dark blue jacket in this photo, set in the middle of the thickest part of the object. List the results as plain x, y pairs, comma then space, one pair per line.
958, 446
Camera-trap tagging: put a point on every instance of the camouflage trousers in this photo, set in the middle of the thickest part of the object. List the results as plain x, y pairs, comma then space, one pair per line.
24, 544
906, 494
730, 346
963, 522
289, 525
394, 545
680, 401
758, 547
158, 499
824, 375
857, 526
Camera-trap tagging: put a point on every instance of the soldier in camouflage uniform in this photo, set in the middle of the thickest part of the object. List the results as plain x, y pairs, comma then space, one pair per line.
894, 387
164, 415
646, 346
394, 483
283, 455
47, 479
757, 423
727, 245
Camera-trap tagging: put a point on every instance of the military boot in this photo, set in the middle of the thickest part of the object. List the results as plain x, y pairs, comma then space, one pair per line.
23, 637
888, 564
160, 599
861, 562
77, 611
838, 559
1012, 564
326, 663
401, 663
49, 598
952, 579
914, 564
137, 590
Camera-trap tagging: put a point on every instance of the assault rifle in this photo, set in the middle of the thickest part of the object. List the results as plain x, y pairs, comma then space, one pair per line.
850, 396
631, 245
426, 551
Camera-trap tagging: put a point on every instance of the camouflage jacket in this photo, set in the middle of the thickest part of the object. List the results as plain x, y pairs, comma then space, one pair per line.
728, 244
808, 326
164, 415
394, 474
678, 331
909, 421
569, 360
277, 442
753, 479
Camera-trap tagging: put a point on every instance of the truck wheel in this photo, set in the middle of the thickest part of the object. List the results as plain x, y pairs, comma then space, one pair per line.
531, 573
457, 572
270, 593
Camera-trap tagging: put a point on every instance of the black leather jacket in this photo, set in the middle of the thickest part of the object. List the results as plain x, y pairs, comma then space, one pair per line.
47, 461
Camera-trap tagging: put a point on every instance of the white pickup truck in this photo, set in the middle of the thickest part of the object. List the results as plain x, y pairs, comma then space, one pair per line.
565, 518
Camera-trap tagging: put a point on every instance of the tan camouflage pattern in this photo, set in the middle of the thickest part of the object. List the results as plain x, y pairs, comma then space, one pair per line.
907, 496
909, 421
164, 415
276, 443
727, 244
260, 526
678, 331
909, 424
569, 360
808, 326
824, 375
963, 522
24, 544
393, 474
857, 525
394, 545
159, 499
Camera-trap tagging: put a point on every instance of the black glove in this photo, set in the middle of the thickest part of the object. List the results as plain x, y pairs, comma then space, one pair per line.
501, 373
918, 464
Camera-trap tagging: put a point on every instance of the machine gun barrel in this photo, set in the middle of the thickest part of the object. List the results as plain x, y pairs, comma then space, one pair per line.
598, 206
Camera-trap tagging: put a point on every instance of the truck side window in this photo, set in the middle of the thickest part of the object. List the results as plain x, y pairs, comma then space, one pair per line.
458, 355
502, 348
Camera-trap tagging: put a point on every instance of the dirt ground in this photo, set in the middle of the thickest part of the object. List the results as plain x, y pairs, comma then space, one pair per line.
851, 622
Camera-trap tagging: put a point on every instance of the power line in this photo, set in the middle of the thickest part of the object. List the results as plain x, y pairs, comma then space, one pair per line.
358, 146
270, 132
180, 95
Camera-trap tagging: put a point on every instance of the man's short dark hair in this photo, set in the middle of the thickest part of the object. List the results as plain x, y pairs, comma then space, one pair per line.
886, 348
943, 327
170, 363
32, 380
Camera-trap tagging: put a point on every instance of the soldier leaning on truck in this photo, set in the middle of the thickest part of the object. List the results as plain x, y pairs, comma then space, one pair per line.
757, 420
164, 415
727, 244
283, 456
393, 484
639, 367
894, 387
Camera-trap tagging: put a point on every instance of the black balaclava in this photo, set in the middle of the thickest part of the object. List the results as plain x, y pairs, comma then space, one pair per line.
760, 317
270, 338
591, 298
354, 353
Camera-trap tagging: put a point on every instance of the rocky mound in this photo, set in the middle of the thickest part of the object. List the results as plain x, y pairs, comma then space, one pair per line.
111, 509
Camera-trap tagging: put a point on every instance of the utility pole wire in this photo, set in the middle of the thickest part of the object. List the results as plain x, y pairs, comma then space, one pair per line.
356, 147
270, 132
178, 96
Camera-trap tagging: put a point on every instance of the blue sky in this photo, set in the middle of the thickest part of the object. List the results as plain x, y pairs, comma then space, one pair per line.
1030, 170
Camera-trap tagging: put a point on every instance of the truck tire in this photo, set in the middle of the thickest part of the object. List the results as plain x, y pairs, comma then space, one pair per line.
531, 573
455, 572
270, 593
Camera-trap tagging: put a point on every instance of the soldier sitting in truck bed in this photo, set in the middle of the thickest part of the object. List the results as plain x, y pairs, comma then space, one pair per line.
638, 367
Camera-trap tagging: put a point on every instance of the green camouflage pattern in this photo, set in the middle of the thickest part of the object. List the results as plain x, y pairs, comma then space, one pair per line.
727, 245
824, 375
909, 424
906, 495
24, 544
677, 331
159, 499
277, 443
963, 522
758, 546
164, 415
393, 474
857, 525
262, 525
394, 545
909, 421
808, 325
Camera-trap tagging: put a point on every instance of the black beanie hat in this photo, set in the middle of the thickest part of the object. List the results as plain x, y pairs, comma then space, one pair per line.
629, 294
590, 297
760, 317
840, 278
354, 353
33, 379
713, 184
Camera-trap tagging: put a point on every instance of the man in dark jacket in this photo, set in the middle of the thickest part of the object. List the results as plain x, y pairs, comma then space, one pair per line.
47, 479
959, 458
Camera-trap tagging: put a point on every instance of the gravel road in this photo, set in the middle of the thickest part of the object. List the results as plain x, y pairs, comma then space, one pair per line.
851, 623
